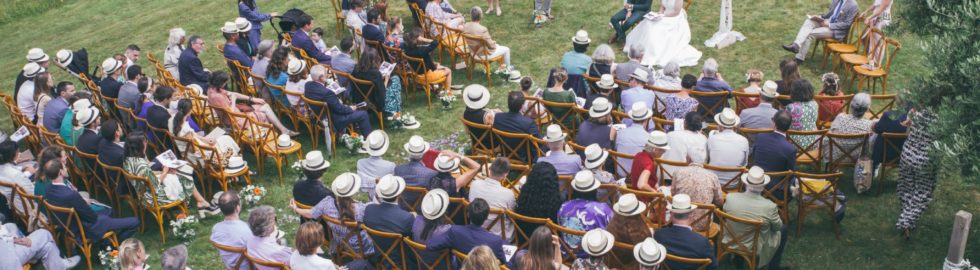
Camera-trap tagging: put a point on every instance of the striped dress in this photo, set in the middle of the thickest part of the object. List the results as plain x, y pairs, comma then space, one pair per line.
917, 172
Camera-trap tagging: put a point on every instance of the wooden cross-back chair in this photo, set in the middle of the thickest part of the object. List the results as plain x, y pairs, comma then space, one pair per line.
890, 151
163, 140
143, 187
697, 263
883, 66
868, 43
285, 108
850, 44
569, 120
214, 167
843, 109
708, 110
731, 184
416, 71
365, 89
750, 133
390, 248
338, 14
845, 149
656, 203
481, 139
114, 180
456, 214
622, 163
818, 192
810, 153
621, 255
417, 192
740, 97
536, 111
68, 222
242, 75
886, 103
521, 238
33, 216
569, 252
480, 57
240, 251
660, 123
17, 208
731, 240
778, 191
517, 173
665, 170
262, 138
315, 121
310, 61
443, 258
659, 105
344, 252
98, 175
254, 262
128, 118
519, 148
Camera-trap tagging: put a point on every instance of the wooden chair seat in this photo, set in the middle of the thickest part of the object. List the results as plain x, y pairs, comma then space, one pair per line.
842, 48
854, 59
870, 72
809, 156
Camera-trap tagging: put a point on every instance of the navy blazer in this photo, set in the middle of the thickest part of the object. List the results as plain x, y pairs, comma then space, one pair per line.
88, 142
17, 83
233, 52
64, 196
302, 40
516, 123
157, 117
681, 241
110, 87
373, 32
464, 238
191, 70
773, 153
391, 218
340, 114
310, 192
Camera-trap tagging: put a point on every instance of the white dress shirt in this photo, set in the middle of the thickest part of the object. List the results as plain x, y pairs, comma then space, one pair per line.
680, 142
727, 149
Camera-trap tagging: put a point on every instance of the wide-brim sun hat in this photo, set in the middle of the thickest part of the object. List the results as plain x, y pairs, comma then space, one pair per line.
346, 185
727, 118
584, 181
376, 143
581, 37
64, 57
35, 55
769, 89
186, 171
229, 28
434, 204
600, 107
514, 76
681, 204
640, 75
756, 176
554, 134
416, 145
476, 96
639, 111
85, 116
81, 104
629, 205
235, 164
598, 242
296, 66
314, 161
32, 69
284, 141
243, 24
595, 156
445, 163
658, 139
389, 186
111, 65
649, 253
606, 81
411, 123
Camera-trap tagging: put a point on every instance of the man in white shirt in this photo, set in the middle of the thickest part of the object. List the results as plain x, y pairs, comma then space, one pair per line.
39, 246
727, 148
496, 195
14, 174
680, 141
25, 95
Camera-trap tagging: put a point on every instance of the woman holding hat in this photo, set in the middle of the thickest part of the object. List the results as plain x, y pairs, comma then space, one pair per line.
649, 254
628, 226
431, 222
309, 190
598, 129
343, 207
596, 243
557, 93
448, 162
584, 212
170, 184
539, 197
220, 98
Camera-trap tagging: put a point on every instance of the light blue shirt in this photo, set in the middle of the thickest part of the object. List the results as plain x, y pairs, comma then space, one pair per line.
576, 63
372, 168
564, 163
630, 141
636, 94
233, 233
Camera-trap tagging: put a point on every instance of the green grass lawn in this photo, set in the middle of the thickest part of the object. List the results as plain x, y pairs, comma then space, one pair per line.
868, 239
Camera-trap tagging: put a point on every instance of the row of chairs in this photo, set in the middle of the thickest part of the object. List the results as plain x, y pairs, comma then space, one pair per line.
453, 41
864, 44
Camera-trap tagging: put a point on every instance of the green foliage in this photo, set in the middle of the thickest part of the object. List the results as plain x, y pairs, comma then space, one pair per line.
948, 89
15, 9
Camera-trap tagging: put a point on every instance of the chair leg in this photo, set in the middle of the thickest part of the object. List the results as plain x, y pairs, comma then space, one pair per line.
428, 95
159, 216
278, 160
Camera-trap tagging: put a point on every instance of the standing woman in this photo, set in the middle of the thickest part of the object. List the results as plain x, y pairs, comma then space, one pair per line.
250, 11
917, 171
175, 45
879, 16
494, 5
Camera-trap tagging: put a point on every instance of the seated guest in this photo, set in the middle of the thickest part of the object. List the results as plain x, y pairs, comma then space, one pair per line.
531, 108
679, 237
476, 97
539, 196
626, 18
636, 93
827, 110
835, 24
679, 104
604, 89
50, 154
110, 84
753, 77
357, 16
415, 173
231, 50
276, 74
464, 238
129, 93
68, 128
431, 222
761, 115
343, 62
514, 122
631, 139
700, 184
447, 163
132, 54
264, 54
301, 39
850, 124
317, 36
371, 30
296, 84
495, 194
11, 173
174, 258
804, 111
773, 152
565, 164
189, 64
245, 41
24, 93
89, 120
584, 212
220, 98
594, 160
132, 255
309, 190
75, 63
43, 93
55, 112
643, 170
576, 62
435, 11
37, 247
558, 94
158, 114
789, 72
387, 216
711, 81
112, 153
598, 129
750, 204
596, 243
231, 231
385, 92
627, 226
649, 254
264, 243
684, 140
417, 46
626, 69
543, 251
894, 121
309, 238
343, 207
726, 148
492, 50
60, 193
603, 61
180, 126
374, 166
341, 115
175, 48
671, 78
169, 184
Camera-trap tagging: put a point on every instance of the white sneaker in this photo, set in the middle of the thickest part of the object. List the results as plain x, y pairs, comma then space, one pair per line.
72, 261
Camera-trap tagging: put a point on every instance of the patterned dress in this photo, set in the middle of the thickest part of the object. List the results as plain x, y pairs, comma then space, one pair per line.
328, 207
676, 107
703, 187
583, 215
141, 167
393, 95
917, 172
847, 124
804, 119
588, 264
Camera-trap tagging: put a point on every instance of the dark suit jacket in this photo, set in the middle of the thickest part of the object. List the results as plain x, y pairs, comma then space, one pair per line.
64, 196
88, 143
233, 52
391, 218
773, 153
113, 154
516, 123
683, 242
302, 40
110, 87
79, 63
640, 6
377, 96
157, 117
842, 24
466, 237
372, 32
191, 70
310, 192
20, 80
340, 114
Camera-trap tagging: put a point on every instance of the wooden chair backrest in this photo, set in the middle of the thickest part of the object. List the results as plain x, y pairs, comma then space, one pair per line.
68, 221
847, 154
572, 114
231, 249
567, 248
656, 203
700, 263
387, 254
781, 187
886, 102
443, 261
803, 151
481, 142
890, 148
710, 108
524, 144
733, 184
271, 264
522, 238
825, 196
36, 218
345, 251
730, 240
619, 161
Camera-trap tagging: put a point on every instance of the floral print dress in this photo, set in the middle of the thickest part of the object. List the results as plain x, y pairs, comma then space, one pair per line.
141, 167
804, 119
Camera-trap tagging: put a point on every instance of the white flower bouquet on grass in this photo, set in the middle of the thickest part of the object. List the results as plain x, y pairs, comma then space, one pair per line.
183, 226
251, 194
109, 258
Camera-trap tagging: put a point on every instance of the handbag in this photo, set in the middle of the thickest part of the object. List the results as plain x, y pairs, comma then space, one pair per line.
862, 175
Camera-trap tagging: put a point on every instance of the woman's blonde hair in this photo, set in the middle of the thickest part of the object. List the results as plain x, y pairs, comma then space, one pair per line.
754, 75
481, 258
131, 254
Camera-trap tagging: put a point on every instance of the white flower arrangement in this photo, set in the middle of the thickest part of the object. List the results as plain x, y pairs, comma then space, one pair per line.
447, 99
401, 119
183, 226
109, 258
352, 141
251, 194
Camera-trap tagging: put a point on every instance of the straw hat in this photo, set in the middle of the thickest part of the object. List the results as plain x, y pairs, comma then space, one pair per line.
554, 133
639, 111
727, 118
581, 37
681, 203
284, 141
35, 55
595, 156
640, 75
64, 57
629, 205
434, 204
111, 65
235, 164
346, 185
314, 161
376, 143
598, 242
649, 253
476, 96
296, 66
32, 69
606, 81
243, 25
755, 177
446, 163
769, 89
416, 145
658, 139
390, 186
85, 116
411, 123
229, 28
197, 89
584, 181
514, 76
600, 107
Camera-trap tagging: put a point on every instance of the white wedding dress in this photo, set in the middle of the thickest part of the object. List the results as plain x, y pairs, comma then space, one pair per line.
665, 40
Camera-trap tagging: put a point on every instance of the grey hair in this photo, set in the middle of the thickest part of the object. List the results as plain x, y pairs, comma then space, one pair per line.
556, 145
603, 54
476, 13
176, 34
697, 155
264, 47
710, 67
860, 104
636, 51
174, 258
754, 189
262, 220
672, 69
317, 71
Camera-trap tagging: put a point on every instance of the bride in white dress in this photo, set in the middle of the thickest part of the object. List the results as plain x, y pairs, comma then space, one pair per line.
666, 38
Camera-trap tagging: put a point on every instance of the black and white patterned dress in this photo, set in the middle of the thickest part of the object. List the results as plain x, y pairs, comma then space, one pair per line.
917, 172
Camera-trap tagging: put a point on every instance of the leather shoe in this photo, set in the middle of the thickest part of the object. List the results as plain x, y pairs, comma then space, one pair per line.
792, 48
612, 40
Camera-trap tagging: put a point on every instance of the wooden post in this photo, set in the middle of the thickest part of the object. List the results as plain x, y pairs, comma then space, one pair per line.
957, 242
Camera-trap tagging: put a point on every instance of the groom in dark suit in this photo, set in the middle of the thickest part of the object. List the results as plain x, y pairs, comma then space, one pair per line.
631, 14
